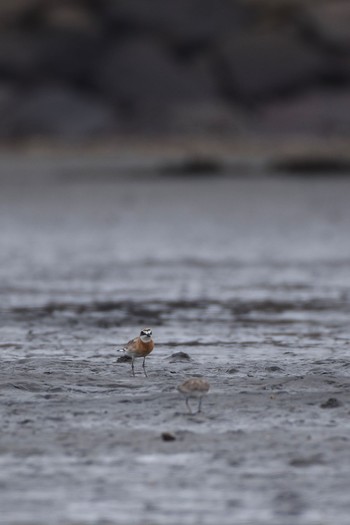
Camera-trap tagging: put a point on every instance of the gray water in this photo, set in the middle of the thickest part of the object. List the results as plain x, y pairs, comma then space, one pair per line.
248, 275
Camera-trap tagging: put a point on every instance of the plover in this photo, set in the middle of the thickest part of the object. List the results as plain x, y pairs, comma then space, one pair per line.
194, 388
140, 346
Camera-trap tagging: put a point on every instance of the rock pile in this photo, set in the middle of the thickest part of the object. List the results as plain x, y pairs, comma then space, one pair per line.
77, 70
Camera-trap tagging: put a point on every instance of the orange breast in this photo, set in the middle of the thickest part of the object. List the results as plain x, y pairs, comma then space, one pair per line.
142, 349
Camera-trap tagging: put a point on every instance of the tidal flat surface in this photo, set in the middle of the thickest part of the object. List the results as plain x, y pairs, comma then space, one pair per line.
250, 276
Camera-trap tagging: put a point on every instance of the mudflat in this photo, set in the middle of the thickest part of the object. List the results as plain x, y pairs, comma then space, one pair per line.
245, 281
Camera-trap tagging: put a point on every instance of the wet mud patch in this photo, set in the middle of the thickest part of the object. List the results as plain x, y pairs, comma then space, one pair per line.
245, 283
107, 315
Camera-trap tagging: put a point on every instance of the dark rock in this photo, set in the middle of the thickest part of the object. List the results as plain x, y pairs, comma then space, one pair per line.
61, 112
146, 81
320, 113
330, 21
196, 165
312, 165
212, 116
14, 10
332, 402
69, 16
307, 461
124, 359
70, 56
179, 356
338, 69
273, 369
261, 65
183, 21
192, 66
232, 371
168, 436
20, 56
8, 103
56, 53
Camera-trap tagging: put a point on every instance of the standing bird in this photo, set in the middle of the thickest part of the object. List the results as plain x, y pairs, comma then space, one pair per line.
195, 388
139, 347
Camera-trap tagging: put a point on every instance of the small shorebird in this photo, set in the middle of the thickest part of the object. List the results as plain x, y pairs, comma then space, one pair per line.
196, 388
140, 346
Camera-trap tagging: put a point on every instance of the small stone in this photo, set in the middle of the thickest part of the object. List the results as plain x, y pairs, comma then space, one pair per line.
179, 356
273, 368
316, 459
168, 436
232, 371
124, 359
332, 402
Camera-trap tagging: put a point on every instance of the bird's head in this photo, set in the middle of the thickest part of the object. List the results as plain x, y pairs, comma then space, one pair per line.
146, 335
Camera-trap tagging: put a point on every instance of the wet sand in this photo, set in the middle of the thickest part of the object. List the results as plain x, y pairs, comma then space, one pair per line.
249, 276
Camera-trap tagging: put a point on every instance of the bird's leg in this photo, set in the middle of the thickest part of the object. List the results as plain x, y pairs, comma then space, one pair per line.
144, 366
188, 406
132, 367
199, 405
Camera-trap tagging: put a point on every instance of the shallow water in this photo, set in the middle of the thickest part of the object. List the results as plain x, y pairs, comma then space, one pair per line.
249, 276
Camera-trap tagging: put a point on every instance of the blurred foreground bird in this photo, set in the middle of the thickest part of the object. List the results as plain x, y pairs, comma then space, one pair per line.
140, 346
194, 388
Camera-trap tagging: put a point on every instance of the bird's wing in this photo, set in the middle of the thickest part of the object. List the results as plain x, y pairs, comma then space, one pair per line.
130, 344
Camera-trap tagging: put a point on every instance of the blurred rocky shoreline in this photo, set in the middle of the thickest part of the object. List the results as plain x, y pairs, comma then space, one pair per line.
87, 70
